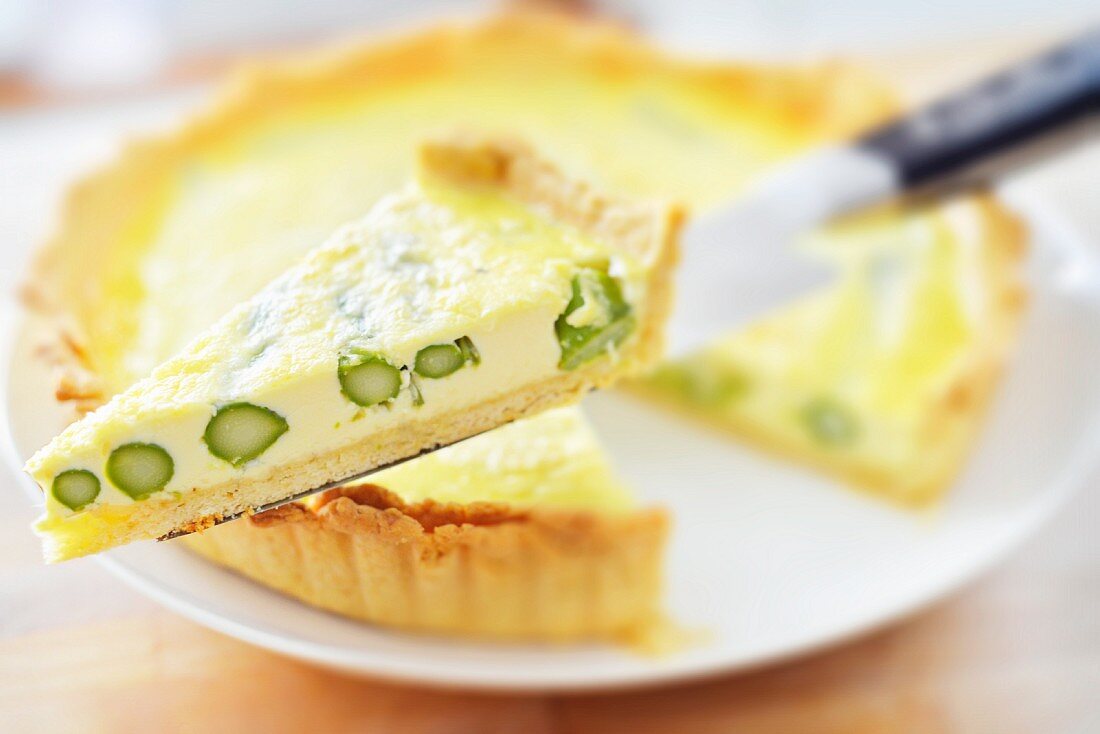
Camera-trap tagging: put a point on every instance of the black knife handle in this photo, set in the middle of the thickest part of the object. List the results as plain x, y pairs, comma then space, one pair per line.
997, 125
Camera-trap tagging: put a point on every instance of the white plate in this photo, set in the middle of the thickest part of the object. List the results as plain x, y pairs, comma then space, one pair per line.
770, 560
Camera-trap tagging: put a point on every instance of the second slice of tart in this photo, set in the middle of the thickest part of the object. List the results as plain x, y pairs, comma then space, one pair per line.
883, 377
492, 288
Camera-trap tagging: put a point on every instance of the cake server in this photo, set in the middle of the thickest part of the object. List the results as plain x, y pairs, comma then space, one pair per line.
968, 138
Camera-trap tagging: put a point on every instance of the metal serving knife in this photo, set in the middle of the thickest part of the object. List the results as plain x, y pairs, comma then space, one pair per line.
971, 137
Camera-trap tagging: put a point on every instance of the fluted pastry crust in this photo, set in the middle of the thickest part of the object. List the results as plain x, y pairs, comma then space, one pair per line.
482, 570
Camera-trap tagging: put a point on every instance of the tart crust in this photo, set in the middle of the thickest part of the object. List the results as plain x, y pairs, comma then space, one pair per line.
482, 569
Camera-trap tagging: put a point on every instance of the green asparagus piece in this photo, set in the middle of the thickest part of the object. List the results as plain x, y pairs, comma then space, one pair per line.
414, 390
469, 351
75, 488
596, 319
368, 379
140, 469
830, 422
239, 432
702, 384
438, 360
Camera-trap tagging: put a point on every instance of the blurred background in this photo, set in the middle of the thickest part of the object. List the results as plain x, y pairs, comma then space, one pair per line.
64, 48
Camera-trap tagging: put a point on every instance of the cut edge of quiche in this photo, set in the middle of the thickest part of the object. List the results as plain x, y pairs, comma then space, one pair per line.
639, 233
952, 409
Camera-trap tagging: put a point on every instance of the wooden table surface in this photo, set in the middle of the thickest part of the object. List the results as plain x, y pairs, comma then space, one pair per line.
1018, 651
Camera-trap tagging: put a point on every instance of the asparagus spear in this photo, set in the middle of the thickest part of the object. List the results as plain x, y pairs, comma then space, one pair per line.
75, 488
596, 319
239, 432
368, 379
140, 469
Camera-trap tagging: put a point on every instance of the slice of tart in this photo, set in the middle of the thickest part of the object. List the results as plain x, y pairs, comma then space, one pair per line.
882, 379
490, 289
522, 533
